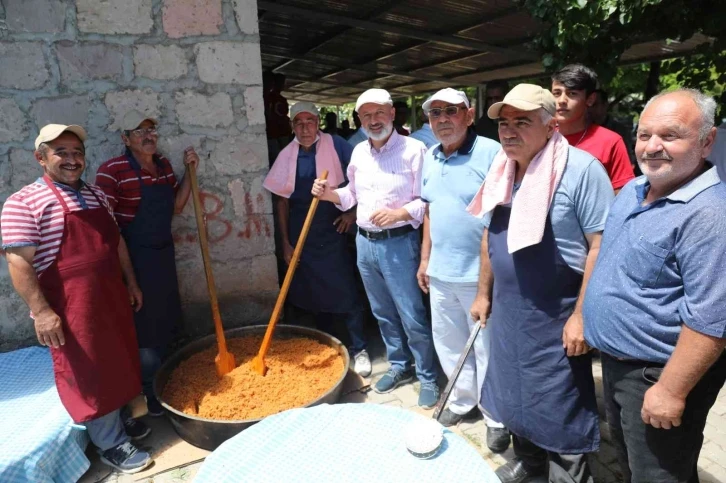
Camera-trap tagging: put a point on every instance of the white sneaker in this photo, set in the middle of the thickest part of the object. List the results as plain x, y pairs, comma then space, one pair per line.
362, 365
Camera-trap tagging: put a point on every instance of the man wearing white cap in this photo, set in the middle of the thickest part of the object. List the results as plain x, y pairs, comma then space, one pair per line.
324, 286
68, 263
144, 195
452, 173
385, 182
544, 204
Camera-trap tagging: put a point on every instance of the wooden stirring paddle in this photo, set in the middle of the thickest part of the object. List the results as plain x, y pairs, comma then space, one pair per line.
258, 363
225, 360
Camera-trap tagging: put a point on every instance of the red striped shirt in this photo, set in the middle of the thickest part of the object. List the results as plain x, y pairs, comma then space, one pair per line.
33, 217
118, 180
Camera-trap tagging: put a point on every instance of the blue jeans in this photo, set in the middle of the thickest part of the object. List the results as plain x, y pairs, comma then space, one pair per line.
388, 269
107, 431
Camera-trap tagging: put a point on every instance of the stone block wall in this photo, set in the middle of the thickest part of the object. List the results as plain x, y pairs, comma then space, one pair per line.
193, 64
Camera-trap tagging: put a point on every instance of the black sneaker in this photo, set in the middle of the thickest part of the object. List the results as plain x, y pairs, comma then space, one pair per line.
135, 429
126, 458
154, 407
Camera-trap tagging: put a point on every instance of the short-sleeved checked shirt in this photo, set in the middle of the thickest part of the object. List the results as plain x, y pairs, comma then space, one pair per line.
118, 180
33, 217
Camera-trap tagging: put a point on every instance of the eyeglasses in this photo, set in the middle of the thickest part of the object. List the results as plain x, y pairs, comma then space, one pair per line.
144, 132
450, 111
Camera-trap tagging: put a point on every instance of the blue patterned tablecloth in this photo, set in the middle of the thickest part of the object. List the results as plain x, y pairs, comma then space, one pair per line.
38, 443
339, 443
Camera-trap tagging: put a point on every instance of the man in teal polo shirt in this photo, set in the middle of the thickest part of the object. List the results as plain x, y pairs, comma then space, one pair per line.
656, 303
452, 173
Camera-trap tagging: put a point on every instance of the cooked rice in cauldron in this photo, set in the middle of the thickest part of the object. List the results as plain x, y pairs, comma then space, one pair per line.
299, 371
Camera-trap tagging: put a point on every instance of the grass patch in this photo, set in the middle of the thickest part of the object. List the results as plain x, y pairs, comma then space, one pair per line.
473, 439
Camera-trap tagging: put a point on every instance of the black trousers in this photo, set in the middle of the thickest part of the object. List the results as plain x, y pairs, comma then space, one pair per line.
561, 468
647, 454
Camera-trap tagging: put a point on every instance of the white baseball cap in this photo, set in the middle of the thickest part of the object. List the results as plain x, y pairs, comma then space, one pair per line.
303, 106
452, 96
374, 96
50, 132
133, 119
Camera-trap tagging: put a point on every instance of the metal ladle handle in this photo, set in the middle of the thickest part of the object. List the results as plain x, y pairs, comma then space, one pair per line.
457, 370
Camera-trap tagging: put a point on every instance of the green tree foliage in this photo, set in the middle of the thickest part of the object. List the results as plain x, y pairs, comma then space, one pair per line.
597, 32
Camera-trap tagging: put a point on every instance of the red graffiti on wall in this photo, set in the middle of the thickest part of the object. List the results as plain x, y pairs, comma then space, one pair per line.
254, 219
254, 222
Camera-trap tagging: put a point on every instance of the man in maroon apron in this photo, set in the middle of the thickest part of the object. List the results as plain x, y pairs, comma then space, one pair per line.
544, 203
144, 195
68, 262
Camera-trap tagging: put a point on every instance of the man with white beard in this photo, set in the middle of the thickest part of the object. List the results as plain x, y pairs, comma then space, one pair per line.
384, 177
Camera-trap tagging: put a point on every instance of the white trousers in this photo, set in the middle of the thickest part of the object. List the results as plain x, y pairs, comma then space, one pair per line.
452, 325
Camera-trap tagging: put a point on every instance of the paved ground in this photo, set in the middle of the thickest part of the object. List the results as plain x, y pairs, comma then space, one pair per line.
712, 464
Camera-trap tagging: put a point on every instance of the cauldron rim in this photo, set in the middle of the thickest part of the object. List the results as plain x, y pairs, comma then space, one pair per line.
207, 341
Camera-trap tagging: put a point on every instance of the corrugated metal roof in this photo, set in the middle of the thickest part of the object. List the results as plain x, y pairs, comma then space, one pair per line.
332, 50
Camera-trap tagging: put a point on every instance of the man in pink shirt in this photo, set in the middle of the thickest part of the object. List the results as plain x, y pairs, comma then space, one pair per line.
385, 182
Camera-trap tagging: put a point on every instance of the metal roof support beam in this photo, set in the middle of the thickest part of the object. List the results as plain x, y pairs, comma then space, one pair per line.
390, 29
351, 66
358, 87
321, 40
414, 45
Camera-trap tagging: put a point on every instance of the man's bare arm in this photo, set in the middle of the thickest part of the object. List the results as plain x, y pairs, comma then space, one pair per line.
423, 279
48, 326
694, 354
481, 308
593, 241
573, 334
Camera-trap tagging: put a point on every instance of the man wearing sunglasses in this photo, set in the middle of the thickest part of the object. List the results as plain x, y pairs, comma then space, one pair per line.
449, 270
144, 194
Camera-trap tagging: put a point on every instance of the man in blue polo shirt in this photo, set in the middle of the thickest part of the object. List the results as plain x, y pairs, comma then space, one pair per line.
656, 301
452, 173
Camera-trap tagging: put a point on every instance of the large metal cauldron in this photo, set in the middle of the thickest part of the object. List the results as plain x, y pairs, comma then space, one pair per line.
210, 433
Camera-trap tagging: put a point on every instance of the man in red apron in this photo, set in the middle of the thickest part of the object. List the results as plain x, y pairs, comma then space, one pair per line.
68, 262
144, 195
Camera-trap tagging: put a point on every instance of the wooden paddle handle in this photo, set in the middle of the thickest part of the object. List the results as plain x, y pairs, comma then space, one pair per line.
204, 245
288, 276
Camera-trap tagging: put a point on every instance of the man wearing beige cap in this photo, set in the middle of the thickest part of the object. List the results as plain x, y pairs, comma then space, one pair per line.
324, 287
144, 195
544, 204
449, 270
385, 182
68, 263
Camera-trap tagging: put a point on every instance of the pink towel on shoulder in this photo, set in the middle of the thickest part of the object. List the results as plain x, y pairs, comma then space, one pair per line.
281, 178
534, 197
